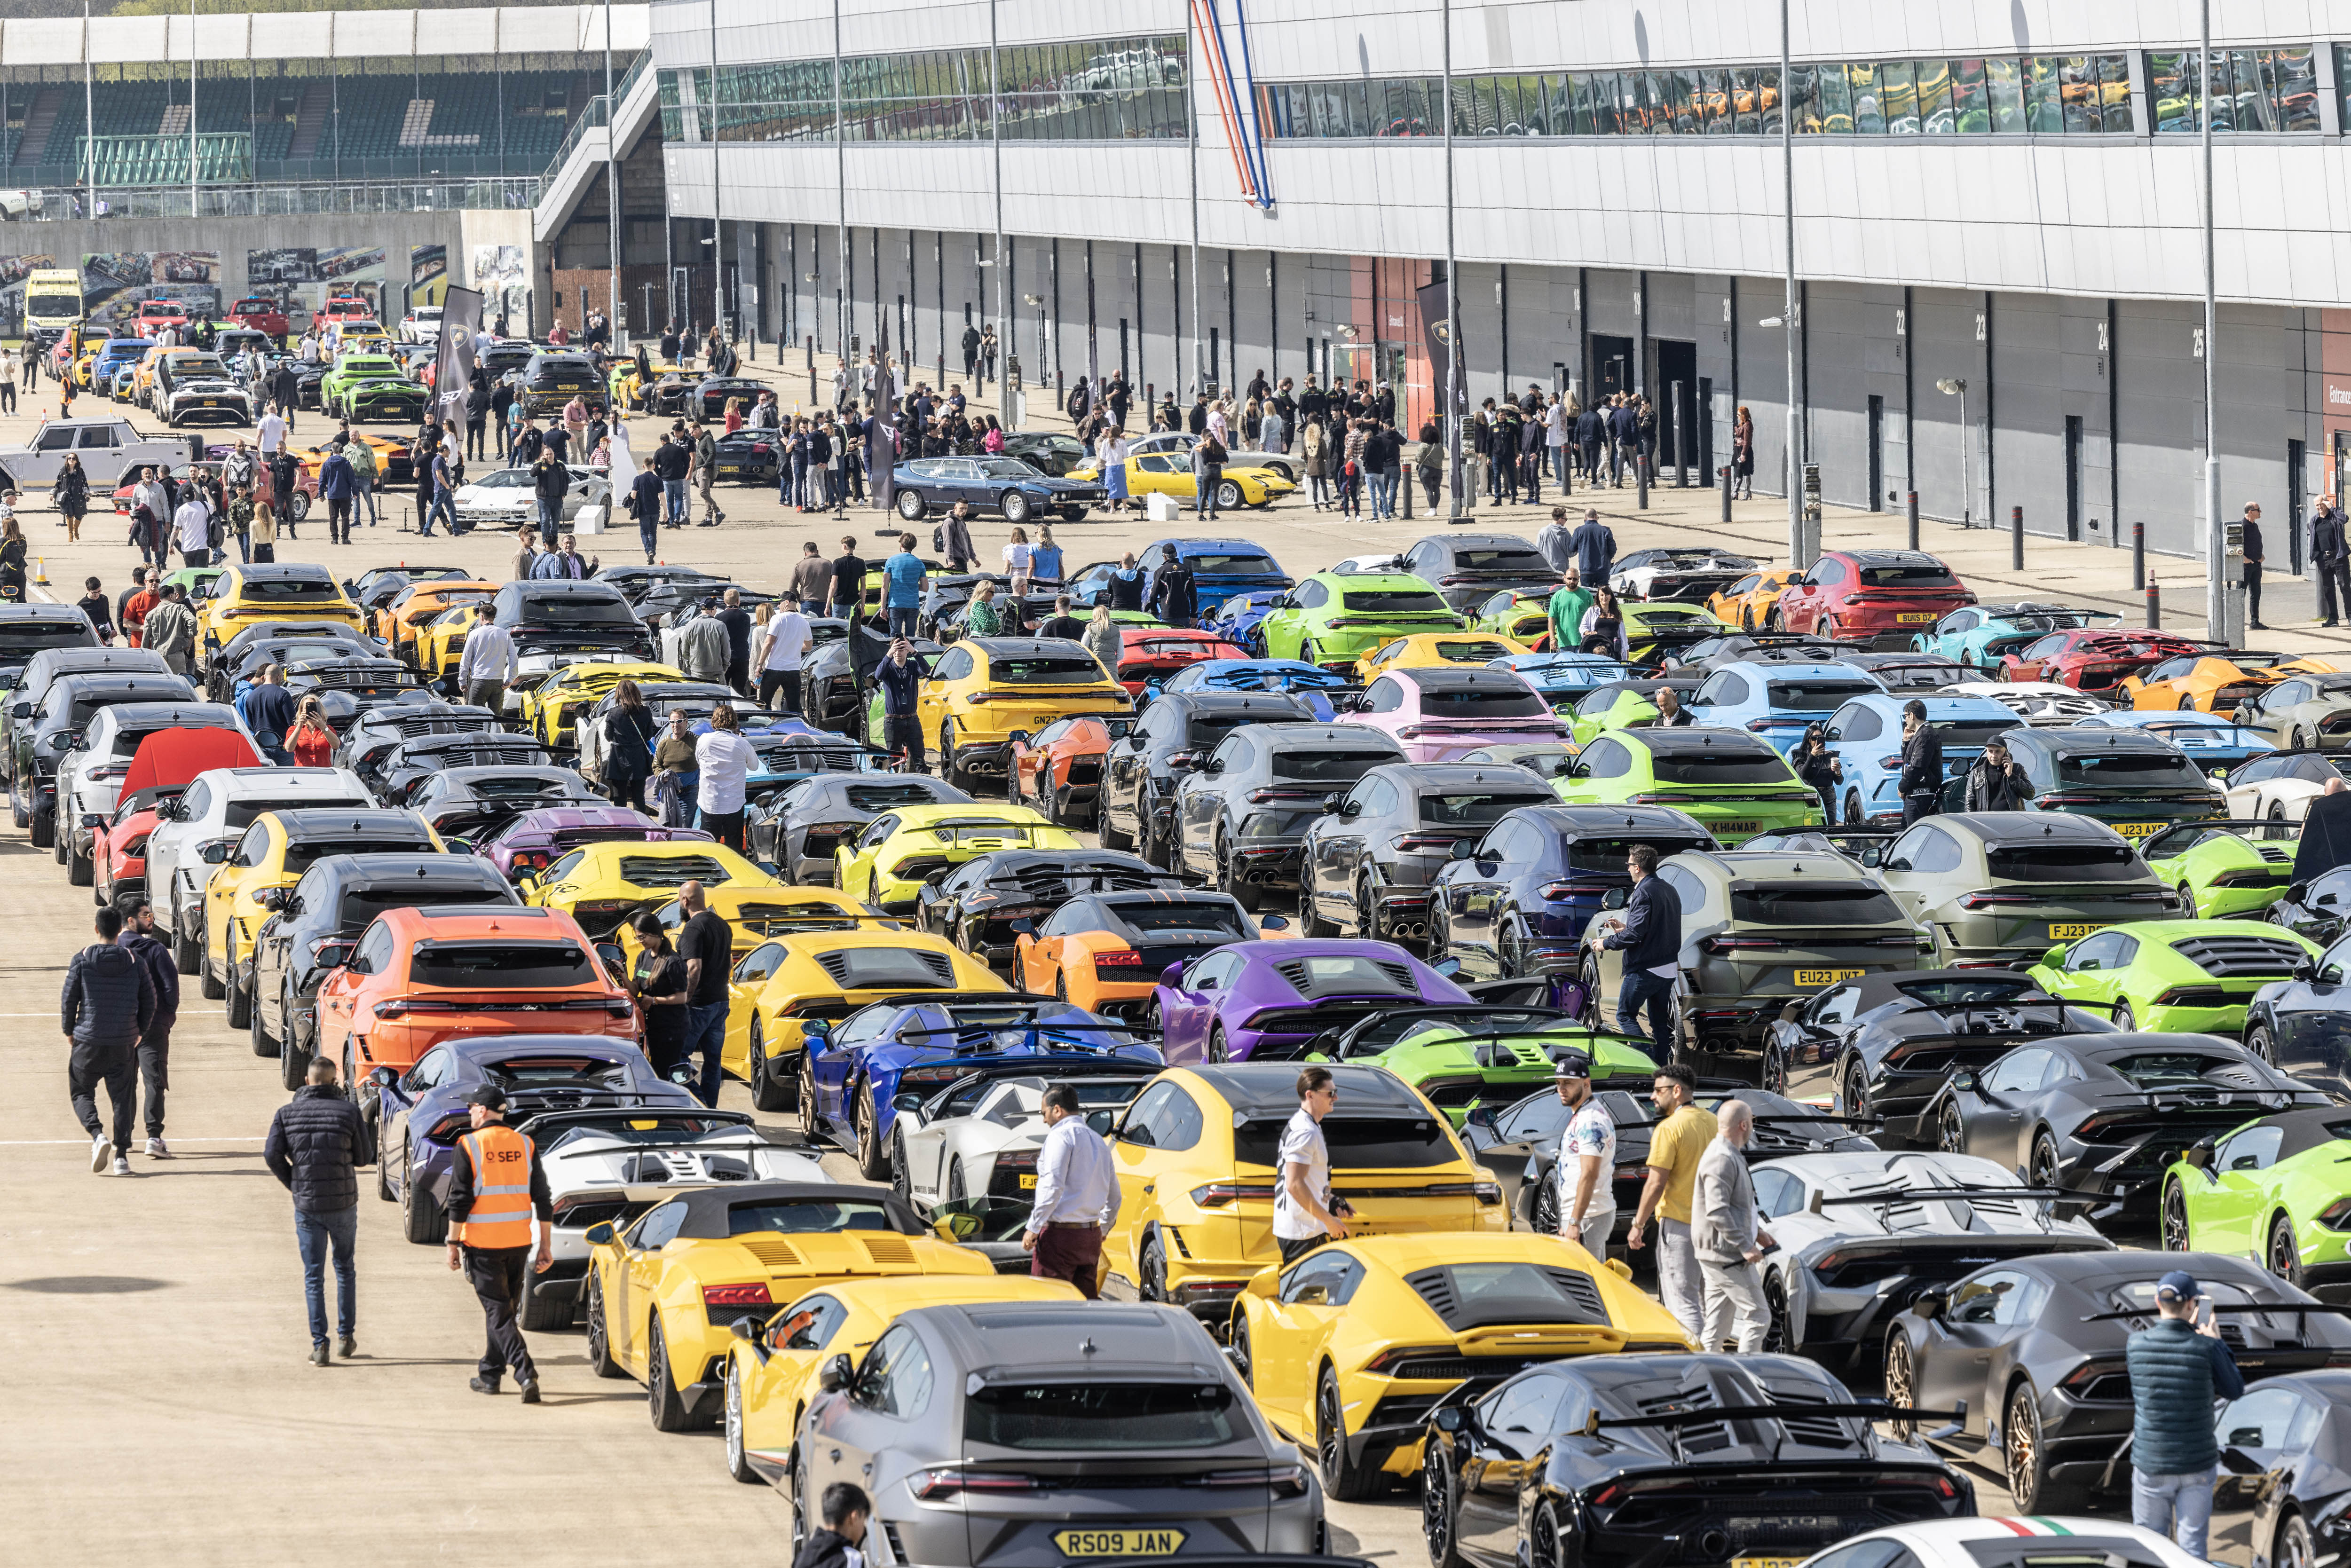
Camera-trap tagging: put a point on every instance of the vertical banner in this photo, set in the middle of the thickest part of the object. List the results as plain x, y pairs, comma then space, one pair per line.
452, 366
882, 462
1448, 359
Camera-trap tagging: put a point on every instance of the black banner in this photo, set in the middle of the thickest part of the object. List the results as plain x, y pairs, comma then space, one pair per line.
882, 462
452, 369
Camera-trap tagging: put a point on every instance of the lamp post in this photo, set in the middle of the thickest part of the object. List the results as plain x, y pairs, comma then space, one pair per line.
1952, 386
612, 186
1797, 552
1451, 399
2216, 548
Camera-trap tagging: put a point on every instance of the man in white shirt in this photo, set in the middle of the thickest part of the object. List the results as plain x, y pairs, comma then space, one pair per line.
487, 663
191, 526
724, 759
1586, 1168
1305, 1212
789, 641
1077, 1196
272, 431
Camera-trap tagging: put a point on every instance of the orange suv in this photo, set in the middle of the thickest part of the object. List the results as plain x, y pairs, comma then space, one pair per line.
418, 976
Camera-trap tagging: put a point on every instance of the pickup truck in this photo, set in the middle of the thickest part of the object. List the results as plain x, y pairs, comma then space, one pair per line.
155, 315
262, 314
109, 448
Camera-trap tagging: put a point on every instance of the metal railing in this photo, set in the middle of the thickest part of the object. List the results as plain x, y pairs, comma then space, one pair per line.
512, 193
598, 111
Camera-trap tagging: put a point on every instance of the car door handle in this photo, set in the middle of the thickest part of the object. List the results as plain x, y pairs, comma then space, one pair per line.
836, 1456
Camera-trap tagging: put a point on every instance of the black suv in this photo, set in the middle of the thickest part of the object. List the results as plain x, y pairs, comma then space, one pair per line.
552, 619
1176, 734
1243, 814
48, 667
553, 377
56, 728
1370, 862
1468, 568
29, 628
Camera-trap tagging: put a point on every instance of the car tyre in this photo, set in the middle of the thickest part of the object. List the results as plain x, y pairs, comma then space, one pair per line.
1015, 506
1229, 498
262, 1044
902, 1178
422, 1221
1367, 916
949, 770
1855, 816
2283, 1257
768, 1091
873, 1162
1248, 894
738, 1462
206, 981
1437, 1507
1856, 1089
2124, 1019
911, 506
599, 1333
1776, 1340
2041, 1171
1112, 836
1239, 1354
1220, 1049
240, 998
661, 1400
81, 869
1152, 1268
1342, 1477
1951, 1129
2292, 1546
2029, 1482
2174, 1230
1543, 1211
1547, 1546
544, 1312
1310, 919
2258, 1041
799, 1495
957, 1189
1901, 1387
811, 1121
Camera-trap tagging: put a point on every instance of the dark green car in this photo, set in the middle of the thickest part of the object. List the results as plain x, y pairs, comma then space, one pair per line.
2137, 784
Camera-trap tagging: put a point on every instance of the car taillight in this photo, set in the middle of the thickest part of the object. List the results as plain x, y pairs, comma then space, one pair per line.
1118, 958
934, 1486
1576, 889
1989, 899
979, 697
1388, 1361
1423, 841
331, 949
2069, 800
1223, 1194
1895, 761
400, 1007
1261, 797
2194, 996
1740, 943
1286, 1480
2088, 1373
137, 846
751, 1295
1654, 799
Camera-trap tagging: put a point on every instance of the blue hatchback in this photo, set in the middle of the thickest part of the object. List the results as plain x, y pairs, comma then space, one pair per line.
1777, 698
2210, 740
1867, 735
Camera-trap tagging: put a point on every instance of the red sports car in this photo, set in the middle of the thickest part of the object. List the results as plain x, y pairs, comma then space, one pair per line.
1155, 652
1060, 768
2096, 658
1883, 596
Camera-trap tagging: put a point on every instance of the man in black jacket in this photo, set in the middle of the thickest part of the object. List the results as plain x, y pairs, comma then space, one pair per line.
2252, 572
2328, 553
316, 1145
155, 1043
1172, 593
1651, 940
1922, 764
845, 1510
1996, 783
107, 1005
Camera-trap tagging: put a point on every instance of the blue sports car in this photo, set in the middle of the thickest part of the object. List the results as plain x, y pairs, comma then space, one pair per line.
1517, 903
1238, 616
1560, 679
2209, 739
1979, 634
911, 1046
1318, 689
423, 1112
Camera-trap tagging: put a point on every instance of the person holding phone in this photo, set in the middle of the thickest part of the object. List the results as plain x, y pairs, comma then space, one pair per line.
1819, 767
2178, 1367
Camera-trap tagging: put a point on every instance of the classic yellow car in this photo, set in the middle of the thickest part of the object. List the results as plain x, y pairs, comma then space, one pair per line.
628, 387
1195, 1174
884, 865
1346, 1348
758, 915
982, 689
1748, 603
603, 885
553, 706
784, 984
771, 1374
1426, 650
662, 1298
1170, 473
286, 591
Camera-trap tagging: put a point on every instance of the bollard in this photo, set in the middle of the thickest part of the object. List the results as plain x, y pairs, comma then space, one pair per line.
1681, 447
1726, 492
2016, 538
1913, 510
2153, 607
1640, 479
2139, 555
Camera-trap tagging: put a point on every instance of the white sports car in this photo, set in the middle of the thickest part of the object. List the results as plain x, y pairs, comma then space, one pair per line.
1686, 575
1861, 1234
615, 1162
505, 498
979, 1137
2040, 704
2281, 786
216, 399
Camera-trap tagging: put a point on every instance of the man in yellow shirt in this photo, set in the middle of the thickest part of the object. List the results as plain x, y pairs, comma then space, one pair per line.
1681, 1134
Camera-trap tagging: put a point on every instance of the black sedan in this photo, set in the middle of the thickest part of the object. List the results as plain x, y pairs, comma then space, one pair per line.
749, 456
553, 377
2034, 1346
2105, 1113
798, 829
1644, 1458
975, 905
1741, 647
1002, 485
1049, 451
635, 582
2302, 1025
1370, 863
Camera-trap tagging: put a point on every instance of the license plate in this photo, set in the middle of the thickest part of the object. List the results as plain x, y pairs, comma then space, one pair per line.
1827, 976
2137, 830
2066, 930
211, 402
1739, 827
1908, 618
1164, 1541
1027, 1181
1765, 1561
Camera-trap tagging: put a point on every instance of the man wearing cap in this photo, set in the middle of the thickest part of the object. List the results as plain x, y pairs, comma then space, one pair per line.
494, 1190
2178, 1368
1587, 1157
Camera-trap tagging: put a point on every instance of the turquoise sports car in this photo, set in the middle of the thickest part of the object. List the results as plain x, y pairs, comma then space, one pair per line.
1979, 634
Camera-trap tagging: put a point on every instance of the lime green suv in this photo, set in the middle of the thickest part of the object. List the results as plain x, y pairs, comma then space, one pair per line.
1625, 704
1734, 783
1333, 619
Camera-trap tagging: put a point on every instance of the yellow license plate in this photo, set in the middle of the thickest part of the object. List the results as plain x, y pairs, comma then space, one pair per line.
2139, 829
1908, 618
1027, 1181
1827, 976
2066, 930
1765, 1561
1164, 1541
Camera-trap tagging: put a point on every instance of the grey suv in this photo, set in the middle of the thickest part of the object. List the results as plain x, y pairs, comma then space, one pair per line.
1372, 859
1241, 818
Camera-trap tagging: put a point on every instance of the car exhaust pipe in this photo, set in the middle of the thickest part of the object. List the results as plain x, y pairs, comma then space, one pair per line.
1714, 1545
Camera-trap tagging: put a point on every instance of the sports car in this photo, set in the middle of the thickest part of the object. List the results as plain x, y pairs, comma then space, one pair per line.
1995, 888
1629, 703
1638, 1458
1978, 635
416, 602
1748, 601
1657, 630
823, 977
978, 904
1778, 696
552, 707
798, 828
2097, 659
1004, 485
1320, 689
601, 885
372, 387
1864, 735
1688, 575
1059, 767
2213, 742
978, 1136
214, 399
1350, 1348
1521, 614
2224, 868
749, 456
422, 1113
376, 735
663, 1296
247, 594
2300, 1024
118, 848
1272, 998
2175, 976
1734, 784
1461, 1059
2300, 712
1170, 473
1332, 619
1150, 655
2210, 680
2280, 786
2034, 1346
1433, 649
1436, 713
1563, 679
758, 915
851, 1077
1240, 618
503, 499
2137, 784
412, 762
2269, 1191
1105, 951
2041, 704
475, 803
887, 864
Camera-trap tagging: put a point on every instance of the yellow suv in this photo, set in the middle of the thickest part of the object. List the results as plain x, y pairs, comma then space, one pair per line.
290, 591
984, 689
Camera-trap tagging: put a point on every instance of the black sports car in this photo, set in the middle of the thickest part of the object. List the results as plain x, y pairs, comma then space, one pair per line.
1002, 485
1136, 806
749, 456
2034, 1346
2105, 1113
247, 655
2285, 1453
1624, 1462
474, 802
414, 761
708, 400
975, 905
837, 680
2319, 909
635, 582
1908, 673
798, 829
2301, 1025
1047, 452
347, 687
375, 735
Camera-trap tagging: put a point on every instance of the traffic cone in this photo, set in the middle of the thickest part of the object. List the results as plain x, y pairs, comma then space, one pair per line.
41, 572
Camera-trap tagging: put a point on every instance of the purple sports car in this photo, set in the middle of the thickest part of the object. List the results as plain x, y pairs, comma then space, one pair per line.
1265, 1000
534, 840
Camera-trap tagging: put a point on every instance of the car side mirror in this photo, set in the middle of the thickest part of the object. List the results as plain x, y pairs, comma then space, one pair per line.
1019, 738
1463, 849
614, 959
93, 818
2054, 957
528, 884
1273, 922
834, 1374
1312, 1296
956, 1228
1025, 926
1931, 1303
214, 855
2200, 1155
1965, 1079
1448, 968
2331, 976
907, 1102
383, 1078
2303, 969
1615, 898
458, 846
270, 898
602, 1233
815, 1029
20, 710
1452, 1418
1172, 976
2234, 1458
1329, 807
1874, 856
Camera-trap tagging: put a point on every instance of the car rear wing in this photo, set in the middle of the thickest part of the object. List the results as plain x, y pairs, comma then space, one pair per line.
1865, 1409
1910, 1193
2282, 1308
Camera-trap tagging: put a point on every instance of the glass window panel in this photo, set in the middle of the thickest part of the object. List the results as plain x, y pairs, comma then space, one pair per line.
1745, 102
1531, 108
1970, 106
2295, 76
1766, 89
1837, 101
1586, 122
2114, 96
1358, 110
2044, 116
1420, 98
1510, 108
1897, 96
2248, 96
1935, 97
1640, 102
1682, 92
1465, 107
1804, 98
1714, 101
2170, 78
1559, 93
2077, 93
2004, 89
1868, 104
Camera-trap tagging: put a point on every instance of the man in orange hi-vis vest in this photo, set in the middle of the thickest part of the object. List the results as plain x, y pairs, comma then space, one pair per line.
496, 1190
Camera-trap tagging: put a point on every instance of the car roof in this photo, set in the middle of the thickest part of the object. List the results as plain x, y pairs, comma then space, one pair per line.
1577, 820
2069, 741
1696, 740
707, 1208
2025, 827
1899, 985
1766, 666
306, 822
1016, 1342
1454, 775
210, 715
1464, 677
482, 1047
1214, 699
1890, 557
394, 866
1265, 1089
1278, 733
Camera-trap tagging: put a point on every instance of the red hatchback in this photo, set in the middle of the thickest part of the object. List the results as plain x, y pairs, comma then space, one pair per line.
1883, 596
2096, 659
1155, 653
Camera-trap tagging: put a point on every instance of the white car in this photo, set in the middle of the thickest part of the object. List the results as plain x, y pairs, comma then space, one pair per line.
506, 498
20, 204
108, 445
90, 776
1679, 575
979, 1137
2279, 788
1896, 1222
2040, 704
1995, 1541
222, 401
216, 807
421, 325
615, 1162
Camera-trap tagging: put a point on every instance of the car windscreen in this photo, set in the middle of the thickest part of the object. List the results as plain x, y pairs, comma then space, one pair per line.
1607, 855
1392, 600
1814, 697
2130, 770
525, 790
1042, 670
1227, 563
1961, 993
292, 654
2046, 862
1475, 807
1824, 903
289, 590
1202, 731
30, 636
300, 857
1095, 1417
1006, 468
502, 965
806, 1215
1927, 574
1533, 1119
2170, 1069
1357, 1142
239, 814
1735, 763
1190, 917
1510, 558
1327, 766
576, 609
360, 906
1482, 702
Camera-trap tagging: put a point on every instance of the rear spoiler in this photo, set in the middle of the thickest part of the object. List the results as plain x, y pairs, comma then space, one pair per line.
1869, 1410
2283, 1308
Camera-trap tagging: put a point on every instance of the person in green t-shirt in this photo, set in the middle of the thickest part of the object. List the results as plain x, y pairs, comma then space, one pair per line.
1566, 611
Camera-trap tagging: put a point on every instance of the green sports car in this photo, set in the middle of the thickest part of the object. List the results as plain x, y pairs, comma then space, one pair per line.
1652, 630
1734, 783
2274, 1190
1623, 705
1464, 1057
2225, 868
1334, 618
2174, 977
372, 387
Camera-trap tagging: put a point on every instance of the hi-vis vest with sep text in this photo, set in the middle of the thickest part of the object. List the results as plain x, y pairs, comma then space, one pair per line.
501, 1164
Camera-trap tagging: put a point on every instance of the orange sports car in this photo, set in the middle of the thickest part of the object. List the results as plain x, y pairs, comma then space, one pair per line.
421, 601
2200, 682
418, 976
1155, 653
1104, 951
1748, 602
1060, 768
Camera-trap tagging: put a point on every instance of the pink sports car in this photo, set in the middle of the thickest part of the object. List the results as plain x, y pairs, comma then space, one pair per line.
1438, 714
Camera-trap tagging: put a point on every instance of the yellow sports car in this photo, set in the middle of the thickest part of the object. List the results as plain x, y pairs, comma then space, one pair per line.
600, 885
770, 1372
884, 865
1170, 473
983, 688
628, 388
439, 641
1427, 649
1522, 614
399, 621
827, 975
552, 707
292, 591
1195, 1174
2202, 682
1748, 603
758, 915
1346, 1349
662, 1299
